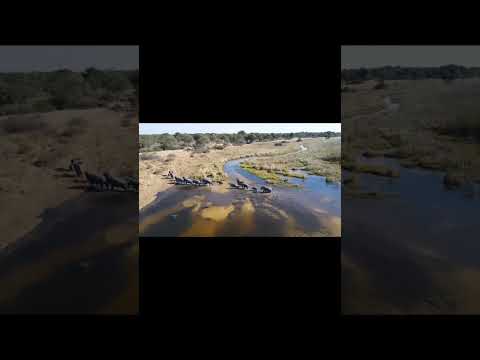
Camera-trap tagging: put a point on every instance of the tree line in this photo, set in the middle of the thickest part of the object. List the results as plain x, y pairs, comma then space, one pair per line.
64, 89
446, 72
201, 142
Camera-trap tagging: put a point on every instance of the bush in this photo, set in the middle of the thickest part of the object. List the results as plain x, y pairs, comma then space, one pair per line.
332, 158
380, 85
43, 106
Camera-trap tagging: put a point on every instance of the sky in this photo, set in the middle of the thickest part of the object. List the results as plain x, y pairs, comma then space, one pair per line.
76, 58
406, 55
161, 128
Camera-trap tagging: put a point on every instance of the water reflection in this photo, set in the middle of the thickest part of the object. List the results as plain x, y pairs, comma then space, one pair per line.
82, 258
412, 253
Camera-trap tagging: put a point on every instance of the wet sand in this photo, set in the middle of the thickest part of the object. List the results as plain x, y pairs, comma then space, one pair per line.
81, 258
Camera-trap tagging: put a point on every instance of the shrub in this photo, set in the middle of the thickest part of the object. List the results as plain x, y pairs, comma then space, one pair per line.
43, 106
332, 158
380, 85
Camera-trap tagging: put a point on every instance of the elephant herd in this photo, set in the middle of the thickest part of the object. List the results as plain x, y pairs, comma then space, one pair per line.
241, 185
187, 181
205, 182
107, 182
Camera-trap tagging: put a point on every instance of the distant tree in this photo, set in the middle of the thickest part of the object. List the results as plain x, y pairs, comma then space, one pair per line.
250, 138
5, 95
114, 81
201, 140
187, 139
66, 89
168, 142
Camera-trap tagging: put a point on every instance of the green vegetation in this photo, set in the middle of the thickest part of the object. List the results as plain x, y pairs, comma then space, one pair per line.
447, 72
65, 89
201, 142
271, 175
321, 158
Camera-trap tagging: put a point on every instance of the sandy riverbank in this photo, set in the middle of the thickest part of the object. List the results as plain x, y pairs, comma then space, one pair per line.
35, 150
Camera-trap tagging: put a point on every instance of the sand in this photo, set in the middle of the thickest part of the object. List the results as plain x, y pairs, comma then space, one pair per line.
30, 177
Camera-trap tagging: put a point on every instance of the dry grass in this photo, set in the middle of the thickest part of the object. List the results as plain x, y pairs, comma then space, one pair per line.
23, 124
28, 172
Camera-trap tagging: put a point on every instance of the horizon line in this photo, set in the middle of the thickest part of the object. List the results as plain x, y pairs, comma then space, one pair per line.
410, 66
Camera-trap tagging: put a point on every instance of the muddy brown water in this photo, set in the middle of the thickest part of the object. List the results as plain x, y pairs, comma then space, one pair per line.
82, 258
414, 252
311, 210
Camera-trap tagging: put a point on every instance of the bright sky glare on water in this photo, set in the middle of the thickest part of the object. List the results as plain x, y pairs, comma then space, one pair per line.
172, 128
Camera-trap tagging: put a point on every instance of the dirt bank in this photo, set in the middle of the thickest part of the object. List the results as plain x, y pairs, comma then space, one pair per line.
36, 149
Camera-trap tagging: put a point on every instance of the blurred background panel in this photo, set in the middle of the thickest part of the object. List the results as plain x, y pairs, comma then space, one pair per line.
411, 179
69, 189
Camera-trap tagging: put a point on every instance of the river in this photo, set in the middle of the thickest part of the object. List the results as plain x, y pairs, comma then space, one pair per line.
414, 251
312, 209
81, 259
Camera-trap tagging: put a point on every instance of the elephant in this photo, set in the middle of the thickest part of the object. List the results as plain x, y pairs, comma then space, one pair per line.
207, 182
95, 180
78, 170
114, 182
266, 189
